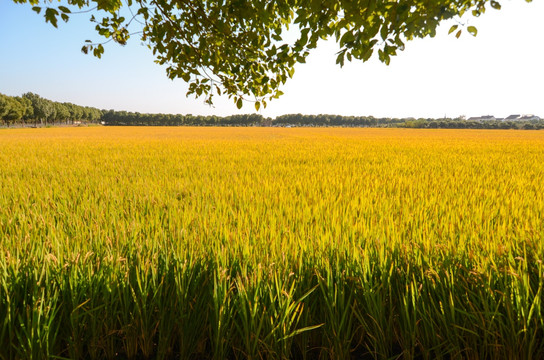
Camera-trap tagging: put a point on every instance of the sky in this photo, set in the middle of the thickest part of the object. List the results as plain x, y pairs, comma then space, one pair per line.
499, 72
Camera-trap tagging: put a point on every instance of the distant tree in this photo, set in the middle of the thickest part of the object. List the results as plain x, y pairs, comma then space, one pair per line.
43, 109
76, 112
29, 110
17, 110
4, 106
61, 112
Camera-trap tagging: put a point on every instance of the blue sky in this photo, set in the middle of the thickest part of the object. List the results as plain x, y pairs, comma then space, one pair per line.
499, 72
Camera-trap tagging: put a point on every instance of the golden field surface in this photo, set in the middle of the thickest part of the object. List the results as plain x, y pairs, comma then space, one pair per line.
386, 242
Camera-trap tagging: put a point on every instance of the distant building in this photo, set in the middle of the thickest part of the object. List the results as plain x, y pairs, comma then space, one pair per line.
518, 117
482, 118
512, 117
529, 117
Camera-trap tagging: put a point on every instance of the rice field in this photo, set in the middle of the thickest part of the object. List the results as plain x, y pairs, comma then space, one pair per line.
269, 243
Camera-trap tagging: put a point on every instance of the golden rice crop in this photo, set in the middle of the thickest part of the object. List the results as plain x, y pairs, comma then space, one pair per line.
271, 243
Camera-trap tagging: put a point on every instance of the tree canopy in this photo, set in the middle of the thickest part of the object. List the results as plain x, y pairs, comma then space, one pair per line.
244, 48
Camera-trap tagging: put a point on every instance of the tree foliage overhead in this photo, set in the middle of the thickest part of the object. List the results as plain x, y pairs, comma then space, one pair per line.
244, 49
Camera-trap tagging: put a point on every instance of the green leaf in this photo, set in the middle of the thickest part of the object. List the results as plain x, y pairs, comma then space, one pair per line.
495, 5
472, 30
291, 72
453, 28
340, 59
98, 51
347, 38
64, 9
384, 32
239, 103
257, 106
37, 9
367, 54
51, 16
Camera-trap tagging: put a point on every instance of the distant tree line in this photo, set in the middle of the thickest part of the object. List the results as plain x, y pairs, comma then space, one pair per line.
459, 123
335, 120
124, 118
422, 123
31, 109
